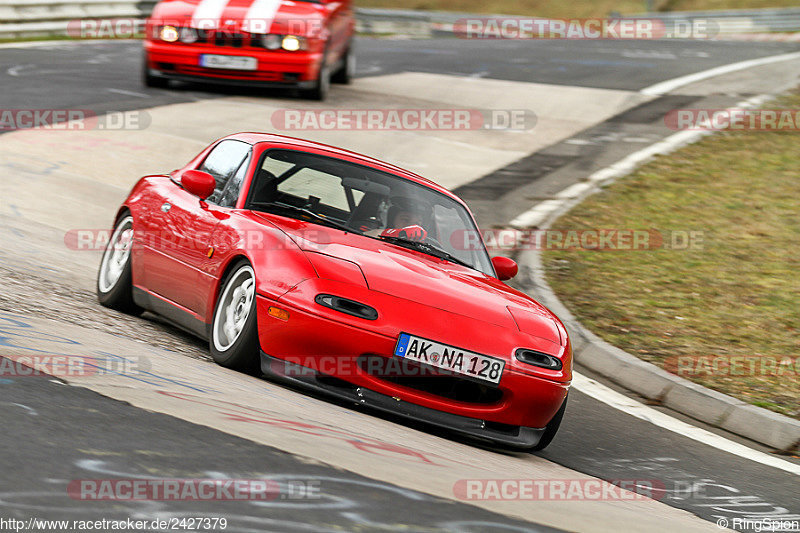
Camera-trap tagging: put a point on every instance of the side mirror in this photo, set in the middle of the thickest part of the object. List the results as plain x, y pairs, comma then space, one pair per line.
199, 183
505, 267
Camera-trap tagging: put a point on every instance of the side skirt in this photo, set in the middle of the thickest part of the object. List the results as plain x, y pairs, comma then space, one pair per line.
176, 314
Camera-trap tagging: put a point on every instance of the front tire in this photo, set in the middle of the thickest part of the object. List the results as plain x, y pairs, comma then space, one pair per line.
347, 70
234, 330
155, 82
115, 279
322, 85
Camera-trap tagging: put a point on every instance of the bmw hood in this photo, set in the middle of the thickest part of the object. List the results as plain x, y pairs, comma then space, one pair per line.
254, 16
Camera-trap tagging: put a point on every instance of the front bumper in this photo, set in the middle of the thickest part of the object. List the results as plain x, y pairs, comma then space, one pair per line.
275, 68
517, 437
336, 345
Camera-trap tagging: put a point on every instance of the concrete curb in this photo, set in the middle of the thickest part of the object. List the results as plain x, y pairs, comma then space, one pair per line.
711, 407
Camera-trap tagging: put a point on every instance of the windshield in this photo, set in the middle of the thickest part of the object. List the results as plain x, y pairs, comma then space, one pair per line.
366, 201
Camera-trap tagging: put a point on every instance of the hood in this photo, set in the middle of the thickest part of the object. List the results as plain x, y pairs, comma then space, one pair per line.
256, 16
424, 279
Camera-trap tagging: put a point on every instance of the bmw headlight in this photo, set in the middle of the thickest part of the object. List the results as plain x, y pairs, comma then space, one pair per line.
188, 35
169, 34
271, 41
292, 43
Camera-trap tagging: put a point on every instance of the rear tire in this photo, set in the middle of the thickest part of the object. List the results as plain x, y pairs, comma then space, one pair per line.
114, 278
234, 330
551, 428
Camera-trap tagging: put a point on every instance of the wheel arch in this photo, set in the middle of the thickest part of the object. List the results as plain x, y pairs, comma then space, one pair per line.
123, 210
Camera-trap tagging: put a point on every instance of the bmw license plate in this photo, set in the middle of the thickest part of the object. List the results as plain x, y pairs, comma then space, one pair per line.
449, 358
228, 62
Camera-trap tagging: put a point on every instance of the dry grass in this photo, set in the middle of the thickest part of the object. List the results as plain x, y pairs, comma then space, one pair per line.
737, 296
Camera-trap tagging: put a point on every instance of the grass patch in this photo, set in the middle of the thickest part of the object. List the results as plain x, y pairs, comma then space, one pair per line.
581, 8
738, 296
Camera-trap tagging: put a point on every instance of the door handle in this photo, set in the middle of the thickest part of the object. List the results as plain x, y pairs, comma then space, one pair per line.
166, 207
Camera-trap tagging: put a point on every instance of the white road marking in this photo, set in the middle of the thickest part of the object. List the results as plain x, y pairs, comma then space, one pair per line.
14, 71
128, 93
630, 406
31, 411
669, 85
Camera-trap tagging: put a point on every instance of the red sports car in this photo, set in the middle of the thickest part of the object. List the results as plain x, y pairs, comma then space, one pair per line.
341, 273
304, 44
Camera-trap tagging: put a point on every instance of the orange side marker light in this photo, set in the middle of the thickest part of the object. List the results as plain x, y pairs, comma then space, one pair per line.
277, 312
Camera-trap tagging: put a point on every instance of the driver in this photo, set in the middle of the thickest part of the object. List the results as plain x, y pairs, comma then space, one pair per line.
406, 218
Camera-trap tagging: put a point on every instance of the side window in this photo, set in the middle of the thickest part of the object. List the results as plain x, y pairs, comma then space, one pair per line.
231, 192
222, 162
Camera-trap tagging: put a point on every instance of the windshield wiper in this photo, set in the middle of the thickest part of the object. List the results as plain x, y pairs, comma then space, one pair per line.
320, 219
427, 248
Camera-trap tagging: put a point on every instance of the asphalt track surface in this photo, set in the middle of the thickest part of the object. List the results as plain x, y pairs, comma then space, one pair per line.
54, 432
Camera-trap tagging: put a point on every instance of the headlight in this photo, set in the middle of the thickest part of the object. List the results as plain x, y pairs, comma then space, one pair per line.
292, 43
169, 34
271, 41
188, 35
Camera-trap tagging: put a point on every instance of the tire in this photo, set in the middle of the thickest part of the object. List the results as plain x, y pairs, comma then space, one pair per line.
114, 278
347, 70
234, 330
551, 428
155, 82
322, 85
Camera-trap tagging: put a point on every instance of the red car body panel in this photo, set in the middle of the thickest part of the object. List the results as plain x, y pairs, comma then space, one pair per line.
329, 27
182, 255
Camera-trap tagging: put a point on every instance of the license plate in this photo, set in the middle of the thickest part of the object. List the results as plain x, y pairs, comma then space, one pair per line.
229, 62
449, 358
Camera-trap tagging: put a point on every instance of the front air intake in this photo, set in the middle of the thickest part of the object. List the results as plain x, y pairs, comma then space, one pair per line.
348, 307
532, 357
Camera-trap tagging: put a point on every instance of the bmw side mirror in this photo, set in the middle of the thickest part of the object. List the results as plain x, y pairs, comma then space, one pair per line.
199, 183
505, 267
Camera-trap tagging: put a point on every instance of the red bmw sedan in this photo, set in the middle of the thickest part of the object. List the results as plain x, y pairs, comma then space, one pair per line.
303, 44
